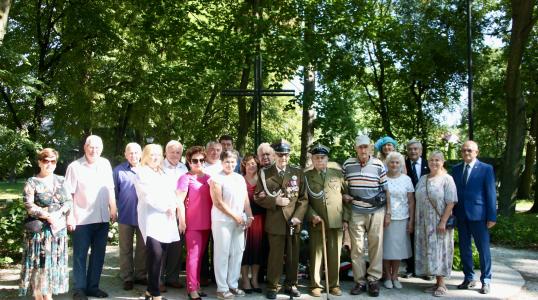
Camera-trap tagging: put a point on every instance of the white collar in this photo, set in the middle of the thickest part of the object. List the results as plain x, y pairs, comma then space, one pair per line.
471, 164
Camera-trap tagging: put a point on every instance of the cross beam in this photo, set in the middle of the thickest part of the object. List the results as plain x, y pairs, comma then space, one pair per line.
258, 92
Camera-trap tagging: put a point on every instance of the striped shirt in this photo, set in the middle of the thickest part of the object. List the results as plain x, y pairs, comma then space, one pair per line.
364, 181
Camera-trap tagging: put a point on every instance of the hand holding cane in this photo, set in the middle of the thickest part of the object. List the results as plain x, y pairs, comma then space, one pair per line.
324, 241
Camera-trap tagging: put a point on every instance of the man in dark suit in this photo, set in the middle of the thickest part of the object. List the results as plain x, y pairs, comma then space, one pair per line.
416, 167
476, 212
280, 190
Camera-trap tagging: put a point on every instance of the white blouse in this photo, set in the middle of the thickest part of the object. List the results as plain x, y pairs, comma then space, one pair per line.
234, 193
156, 194
398, 188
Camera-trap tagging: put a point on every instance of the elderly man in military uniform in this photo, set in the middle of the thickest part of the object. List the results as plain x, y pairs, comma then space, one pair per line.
280, 190
324, 187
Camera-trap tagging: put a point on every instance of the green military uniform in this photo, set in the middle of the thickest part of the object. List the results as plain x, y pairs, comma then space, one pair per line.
290, 183
325, 191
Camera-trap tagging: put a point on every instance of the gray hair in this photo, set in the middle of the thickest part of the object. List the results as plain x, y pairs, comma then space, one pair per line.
94, 140
211, 144
438, 154
133, 145
264, 146
413, 142
395, 155
173, 144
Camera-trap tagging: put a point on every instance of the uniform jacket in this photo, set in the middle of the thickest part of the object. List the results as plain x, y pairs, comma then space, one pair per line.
330, 208
292, 186
477, 200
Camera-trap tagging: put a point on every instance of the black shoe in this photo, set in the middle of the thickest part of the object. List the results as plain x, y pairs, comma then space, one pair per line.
292, 291
485, 289
202, 294
373, 288
248, 291
98, 294
270, 295
79, 295
257, 290
467, 284
194, 298
128, 285
358, 289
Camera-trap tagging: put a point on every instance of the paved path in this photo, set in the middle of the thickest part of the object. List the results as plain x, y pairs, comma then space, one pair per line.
507, 283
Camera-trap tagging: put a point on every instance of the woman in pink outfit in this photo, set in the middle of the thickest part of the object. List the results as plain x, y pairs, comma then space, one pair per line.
195, 220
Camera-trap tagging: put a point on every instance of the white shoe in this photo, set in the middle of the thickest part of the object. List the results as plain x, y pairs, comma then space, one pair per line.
397, 284
388, 284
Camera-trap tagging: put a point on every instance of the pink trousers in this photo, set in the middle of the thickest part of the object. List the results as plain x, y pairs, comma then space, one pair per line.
195, 243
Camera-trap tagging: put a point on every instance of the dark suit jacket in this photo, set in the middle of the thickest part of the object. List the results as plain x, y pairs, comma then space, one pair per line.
477, 200
277, 217
424, 169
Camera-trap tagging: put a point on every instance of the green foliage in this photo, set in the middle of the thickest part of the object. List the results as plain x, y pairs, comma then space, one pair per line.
17, 152
518, 231
457, 263
114, 234
12, 214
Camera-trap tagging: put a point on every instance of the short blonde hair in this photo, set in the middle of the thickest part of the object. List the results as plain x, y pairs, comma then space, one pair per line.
395, 155
146, 154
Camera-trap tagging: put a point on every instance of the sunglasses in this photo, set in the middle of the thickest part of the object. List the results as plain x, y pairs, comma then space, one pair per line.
48, 161
196, 160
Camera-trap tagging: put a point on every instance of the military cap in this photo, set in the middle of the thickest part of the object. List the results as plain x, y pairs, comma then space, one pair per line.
319, 149
281, 146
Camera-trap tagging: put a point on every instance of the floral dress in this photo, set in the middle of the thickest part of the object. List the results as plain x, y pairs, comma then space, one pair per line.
433, 251
44, 264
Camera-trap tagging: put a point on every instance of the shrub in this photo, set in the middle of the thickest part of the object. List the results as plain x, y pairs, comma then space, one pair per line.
518, 231
12, 214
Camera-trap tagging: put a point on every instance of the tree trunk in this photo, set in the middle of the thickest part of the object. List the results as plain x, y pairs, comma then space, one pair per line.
307, 126
524, 190
4, 13
418, 91
245, 114
534, 136
121, 128
522, 23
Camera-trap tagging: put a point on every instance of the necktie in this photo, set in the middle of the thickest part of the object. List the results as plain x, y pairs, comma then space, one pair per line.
414, 169
322, 174
281, 173
465, 174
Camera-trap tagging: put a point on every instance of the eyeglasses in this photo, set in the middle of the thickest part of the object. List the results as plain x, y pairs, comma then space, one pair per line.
466, 150
196, 160
282, 154
48, 161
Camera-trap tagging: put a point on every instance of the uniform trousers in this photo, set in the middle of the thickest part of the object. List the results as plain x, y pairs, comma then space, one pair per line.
196, 244
333, 238
280, 245
228, 245
360, 227
131, 269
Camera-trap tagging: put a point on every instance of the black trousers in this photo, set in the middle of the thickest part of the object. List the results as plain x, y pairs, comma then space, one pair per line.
155, 251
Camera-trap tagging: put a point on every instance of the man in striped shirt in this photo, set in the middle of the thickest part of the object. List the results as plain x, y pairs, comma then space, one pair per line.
366, 179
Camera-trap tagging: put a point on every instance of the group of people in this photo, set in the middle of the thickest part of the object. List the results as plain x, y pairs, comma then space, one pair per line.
250, 210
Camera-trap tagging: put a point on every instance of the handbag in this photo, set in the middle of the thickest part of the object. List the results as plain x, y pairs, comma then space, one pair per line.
33, 225
451, 221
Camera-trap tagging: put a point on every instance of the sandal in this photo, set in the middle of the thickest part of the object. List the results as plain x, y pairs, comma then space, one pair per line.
431, 289
440, 291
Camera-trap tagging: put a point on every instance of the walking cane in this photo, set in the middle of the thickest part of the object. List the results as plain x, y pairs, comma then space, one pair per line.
325, 258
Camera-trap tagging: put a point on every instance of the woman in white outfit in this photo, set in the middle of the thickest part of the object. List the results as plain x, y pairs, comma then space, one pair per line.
230, 216
157, 207
396, 237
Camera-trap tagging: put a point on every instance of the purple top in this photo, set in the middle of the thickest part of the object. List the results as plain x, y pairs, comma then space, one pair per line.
126, 200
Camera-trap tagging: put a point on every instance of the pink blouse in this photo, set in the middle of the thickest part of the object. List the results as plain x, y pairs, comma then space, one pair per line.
198, 202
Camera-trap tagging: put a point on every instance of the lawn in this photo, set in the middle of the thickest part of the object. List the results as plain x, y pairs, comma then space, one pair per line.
11, 190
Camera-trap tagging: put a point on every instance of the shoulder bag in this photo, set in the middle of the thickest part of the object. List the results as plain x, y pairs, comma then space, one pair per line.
451, 221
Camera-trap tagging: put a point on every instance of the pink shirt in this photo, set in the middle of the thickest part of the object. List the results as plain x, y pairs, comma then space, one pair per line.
198, 202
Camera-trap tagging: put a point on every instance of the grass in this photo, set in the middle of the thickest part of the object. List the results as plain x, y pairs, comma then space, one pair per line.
11, 190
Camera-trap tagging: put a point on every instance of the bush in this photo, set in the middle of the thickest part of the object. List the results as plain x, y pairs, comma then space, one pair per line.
12, 214
17, 152
518, 231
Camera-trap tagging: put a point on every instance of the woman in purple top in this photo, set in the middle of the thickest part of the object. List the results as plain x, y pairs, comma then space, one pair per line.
195, 220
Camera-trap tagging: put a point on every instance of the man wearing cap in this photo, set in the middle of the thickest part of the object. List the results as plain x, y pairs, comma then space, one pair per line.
367, 183
324, 187
280, 190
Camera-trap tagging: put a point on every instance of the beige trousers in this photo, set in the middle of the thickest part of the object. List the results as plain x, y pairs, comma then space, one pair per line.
370, 226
